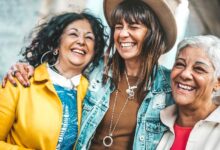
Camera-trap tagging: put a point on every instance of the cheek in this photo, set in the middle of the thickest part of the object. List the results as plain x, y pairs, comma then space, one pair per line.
141, 36
116, 35
91, 54
173, 74
64, 41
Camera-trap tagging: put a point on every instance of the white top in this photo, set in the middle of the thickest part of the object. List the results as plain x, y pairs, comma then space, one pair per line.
63, 81
205, 135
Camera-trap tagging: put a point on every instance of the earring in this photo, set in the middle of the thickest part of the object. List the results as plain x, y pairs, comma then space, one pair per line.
42, 57
55, 52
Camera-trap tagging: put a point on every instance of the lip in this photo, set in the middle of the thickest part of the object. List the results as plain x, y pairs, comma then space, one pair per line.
78, 50
127, 45
184, 87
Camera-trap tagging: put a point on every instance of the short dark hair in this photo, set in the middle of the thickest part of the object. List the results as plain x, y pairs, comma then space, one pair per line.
47, 38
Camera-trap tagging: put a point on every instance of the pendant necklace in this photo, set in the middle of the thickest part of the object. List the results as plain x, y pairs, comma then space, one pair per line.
108, 140
130, 89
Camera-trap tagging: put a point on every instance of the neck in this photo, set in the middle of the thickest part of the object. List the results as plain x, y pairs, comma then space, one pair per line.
66, 71
188, 117
132, 67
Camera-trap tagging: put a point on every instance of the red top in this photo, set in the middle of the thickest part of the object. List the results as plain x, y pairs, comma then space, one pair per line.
181, 137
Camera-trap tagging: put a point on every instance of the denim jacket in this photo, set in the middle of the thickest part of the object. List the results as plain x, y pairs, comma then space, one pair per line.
149, 129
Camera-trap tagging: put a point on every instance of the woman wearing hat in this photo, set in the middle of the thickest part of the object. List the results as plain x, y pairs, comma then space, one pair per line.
194, 122
127, 92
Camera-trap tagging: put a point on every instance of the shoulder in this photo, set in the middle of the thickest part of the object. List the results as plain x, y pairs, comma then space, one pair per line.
165, 72
97, 72
162, 80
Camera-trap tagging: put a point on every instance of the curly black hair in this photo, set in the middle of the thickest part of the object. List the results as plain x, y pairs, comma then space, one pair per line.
46, 38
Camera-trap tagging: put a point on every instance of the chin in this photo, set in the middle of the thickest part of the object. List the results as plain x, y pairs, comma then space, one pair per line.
182, 102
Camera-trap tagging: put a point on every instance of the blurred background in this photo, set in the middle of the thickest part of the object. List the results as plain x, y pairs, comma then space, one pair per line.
19, 17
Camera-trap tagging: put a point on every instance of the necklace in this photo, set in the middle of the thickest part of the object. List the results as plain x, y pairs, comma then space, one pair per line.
108, 140
130, 89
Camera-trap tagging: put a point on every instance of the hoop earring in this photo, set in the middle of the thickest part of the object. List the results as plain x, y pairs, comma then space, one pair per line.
54, 53
57, 62
42, 57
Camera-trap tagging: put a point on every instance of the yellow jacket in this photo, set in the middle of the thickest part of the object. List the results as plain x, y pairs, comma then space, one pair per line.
31, 118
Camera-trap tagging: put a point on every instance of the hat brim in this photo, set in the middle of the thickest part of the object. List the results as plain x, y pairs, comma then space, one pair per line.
160, 8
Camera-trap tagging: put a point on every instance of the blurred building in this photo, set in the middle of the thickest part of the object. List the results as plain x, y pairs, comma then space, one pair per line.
18, 17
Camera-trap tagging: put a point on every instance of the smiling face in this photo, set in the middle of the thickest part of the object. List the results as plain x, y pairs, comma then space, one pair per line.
192, 78
76, 45
129, 39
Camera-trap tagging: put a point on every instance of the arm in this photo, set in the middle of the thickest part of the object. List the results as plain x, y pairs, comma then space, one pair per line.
22, 71
8, 105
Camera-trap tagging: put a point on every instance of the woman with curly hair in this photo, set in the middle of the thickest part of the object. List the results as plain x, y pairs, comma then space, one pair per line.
47, 115
129, 89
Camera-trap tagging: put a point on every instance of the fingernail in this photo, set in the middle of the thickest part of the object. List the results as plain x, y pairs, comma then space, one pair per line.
29, 76
15, 85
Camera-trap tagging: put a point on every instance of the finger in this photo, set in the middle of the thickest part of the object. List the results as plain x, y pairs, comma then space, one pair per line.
21, 79
21, 74
11, 79
25, 78
30, 71
4, 81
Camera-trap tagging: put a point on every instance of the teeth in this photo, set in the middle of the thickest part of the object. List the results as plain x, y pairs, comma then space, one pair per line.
79, 51
127, 44
185, 87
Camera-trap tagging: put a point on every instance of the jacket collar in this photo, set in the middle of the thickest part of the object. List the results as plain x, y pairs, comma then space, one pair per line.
169, 115
41, 73
161, 82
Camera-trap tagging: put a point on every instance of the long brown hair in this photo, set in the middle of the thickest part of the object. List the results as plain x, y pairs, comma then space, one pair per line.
153, 46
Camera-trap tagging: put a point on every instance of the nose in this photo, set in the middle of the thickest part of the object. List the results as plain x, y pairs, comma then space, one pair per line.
186, 74
81, 40
124, 32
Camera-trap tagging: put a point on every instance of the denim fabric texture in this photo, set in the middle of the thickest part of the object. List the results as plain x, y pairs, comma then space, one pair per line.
149, 129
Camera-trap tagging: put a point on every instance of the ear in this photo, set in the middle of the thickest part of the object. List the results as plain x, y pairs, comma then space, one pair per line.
217, 85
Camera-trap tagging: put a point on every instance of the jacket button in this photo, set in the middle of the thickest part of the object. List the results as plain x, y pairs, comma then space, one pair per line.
141, 138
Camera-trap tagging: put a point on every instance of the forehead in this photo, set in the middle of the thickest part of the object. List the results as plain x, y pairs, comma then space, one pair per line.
80, 25
194, 54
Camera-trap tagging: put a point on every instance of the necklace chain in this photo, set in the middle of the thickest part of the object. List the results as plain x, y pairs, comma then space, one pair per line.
111, 127
130, 89
108, 140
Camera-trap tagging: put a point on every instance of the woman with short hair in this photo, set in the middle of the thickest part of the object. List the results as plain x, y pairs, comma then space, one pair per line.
194, 122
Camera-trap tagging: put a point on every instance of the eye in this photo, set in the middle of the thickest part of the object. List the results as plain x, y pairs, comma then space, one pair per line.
200, 69
134, 27
118, 27
73, 34
179, 65
90, 38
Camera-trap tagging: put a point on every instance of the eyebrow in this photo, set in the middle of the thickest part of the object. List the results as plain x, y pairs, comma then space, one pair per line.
87, 32
197, 62
202, 63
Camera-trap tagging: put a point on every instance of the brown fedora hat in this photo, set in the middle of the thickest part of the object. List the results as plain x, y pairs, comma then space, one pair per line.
160, 8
